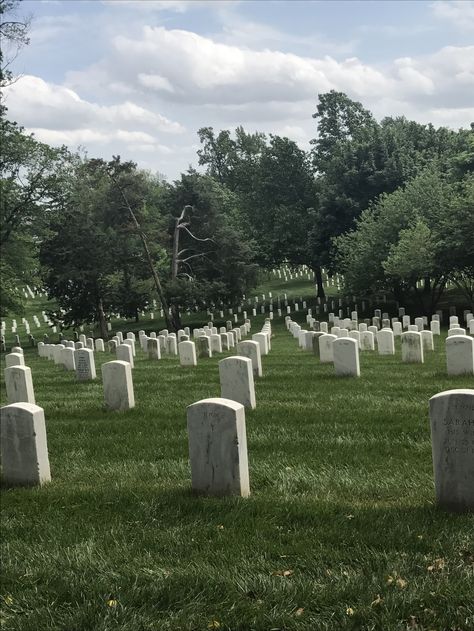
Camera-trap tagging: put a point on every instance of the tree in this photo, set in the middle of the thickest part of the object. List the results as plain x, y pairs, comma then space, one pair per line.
13, 35
412, 241
210, 261
93, 260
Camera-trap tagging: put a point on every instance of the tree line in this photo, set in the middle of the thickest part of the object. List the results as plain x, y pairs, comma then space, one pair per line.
389, 205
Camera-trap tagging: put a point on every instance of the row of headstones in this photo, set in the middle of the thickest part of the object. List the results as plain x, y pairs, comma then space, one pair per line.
24, 444
117, 375
341, 347
218, 447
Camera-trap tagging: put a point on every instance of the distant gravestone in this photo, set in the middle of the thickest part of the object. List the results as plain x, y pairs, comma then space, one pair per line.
224, 341
85, 364
434, 327
346, 357
124, 353
172, 344
14, 359
315, 341
326, 341
19, 385
67, 359
427, 340
216, 344
385, 342
58, 353
236, 379
203, 344
251, 350
24, 450
112, 346
412, 347
118, 385
452, 439
460, 355
130, 342
99, 345
153, 348
187, 353
262, 339
218, 447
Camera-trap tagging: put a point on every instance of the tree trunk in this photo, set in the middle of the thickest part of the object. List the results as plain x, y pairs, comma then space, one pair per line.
319, 282
102, 320
176, 318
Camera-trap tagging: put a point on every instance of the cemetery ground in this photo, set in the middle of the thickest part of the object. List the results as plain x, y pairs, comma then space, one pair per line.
340, 531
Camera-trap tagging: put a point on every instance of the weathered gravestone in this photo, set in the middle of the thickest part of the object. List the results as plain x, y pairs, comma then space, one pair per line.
412, 348
385, 342
67, 359
236, 378
216, 344
99, 345
118, 385
14, 359
153, 348
460, 355
452, 440
187, 353
24, 450
19, 385
346, 357
251, 350
315, 341
203, 344
262, 339
218, 447
85, 364
326, 342
427, 340
125, 353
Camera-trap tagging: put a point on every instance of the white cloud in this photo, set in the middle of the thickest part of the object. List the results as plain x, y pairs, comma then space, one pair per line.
38, 103
460, 13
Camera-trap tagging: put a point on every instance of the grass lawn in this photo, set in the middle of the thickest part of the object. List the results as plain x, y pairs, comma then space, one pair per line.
340, 531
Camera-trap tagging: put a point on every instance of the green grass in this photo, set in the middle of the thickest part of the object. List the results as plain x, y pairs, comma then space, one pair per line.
341, 499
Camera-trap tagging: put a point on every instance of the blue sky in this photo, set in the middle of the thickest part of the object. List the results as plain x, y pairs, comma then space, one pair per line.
140, 77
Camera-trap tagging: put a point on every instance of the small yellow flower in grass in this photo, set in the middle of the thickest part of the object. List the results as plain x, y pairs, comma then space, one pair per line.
401, 582
112, 603
350, 611
299, 612
282, 573
8, 600
214, 624
220, 527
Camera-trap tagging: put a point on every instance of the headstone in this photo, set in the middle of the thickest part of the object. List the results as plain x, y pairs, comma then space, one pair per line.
315, 342
67, 359
412, 348
216, 344
124, 353
251, 350
24, 449
452, 440
203, 344
460, 355
367, 341
224, 341
99, 345
172, 345
112, 346
85, 364
262, 339
326, 342
153, 348
118, 385
346, 357
14, 359
427, 340
58, 353
130, 342
434, 327
187, 353
385, 342
19, 385
456, 331
236, 378
419, 323
218, 447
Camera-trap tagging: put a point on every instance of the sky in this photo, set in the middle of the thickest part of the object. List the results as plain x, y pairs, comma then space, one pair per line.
138, 78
